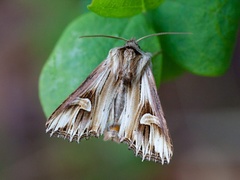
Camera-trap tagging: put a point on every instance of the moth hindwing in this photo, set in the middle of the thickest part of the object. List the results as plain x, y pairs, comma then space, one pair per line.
118, 100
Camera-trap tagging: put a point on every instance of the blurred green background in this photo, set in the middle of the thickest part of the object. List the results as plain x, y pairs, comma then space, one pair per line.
203, 114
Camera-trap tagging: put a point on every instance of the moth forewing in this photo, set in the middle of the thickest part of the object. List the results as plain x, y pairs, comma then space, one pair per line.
159, 133
118, 99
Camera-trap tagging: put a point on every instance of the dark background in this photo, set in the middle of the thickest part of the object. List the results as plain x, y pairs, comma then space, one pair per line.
203, 113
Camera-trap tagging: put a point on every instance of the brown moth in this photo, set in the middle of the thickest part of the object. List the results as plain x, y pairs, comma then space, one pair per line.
118, 100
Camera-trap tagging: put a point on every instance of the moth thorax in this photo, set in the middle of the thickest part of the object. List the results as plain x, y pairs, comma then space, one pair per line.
130, 64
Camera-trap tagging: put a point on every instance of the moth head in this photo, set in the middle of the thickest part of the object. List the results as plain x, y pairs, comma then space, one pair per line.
133, 44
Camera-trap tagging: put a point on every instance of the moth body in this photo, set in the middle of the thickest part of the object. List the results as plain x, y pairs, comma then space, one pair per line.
118, 100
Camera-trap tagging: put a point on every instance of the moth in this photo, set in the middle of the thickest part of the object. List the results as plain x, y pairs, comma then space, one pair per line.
119, 100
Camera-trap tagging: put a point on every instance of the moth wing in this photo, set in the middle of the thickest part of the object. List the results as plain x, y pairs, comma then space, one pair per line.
143, 126
82, 113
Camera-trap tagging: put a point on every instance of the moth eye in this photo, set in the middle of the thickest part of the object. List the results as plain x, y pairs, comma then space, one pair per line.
148, 119
84, 103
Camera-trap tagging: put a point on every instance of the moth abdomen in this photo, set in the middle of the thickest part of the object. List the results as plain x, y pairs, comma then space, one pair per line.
112, 133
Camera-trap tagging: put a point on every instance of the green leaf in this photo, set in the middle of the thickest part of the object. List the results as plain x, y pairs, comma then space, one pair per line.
170, 69
214, 26
122, 8
73, 59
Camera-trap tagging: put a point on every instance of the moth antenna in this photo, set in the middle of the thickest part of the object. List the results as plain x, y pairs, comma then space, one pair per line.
162, 33
102, 35
156, 53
